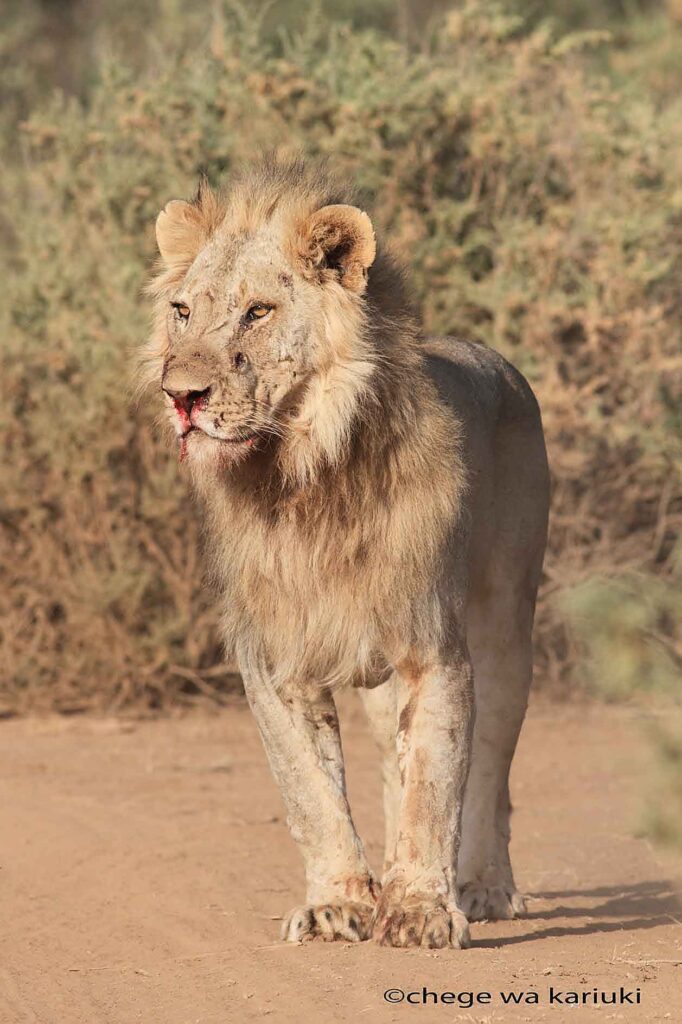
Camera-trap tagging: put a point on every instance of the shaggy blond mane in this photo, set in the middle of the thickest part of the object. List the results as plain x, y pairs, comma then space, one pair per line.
313, 542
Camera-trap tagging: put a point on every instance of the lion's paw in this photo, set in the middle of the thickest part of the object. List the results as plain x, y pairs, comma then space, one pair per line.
491, 902
419, 920
345, 922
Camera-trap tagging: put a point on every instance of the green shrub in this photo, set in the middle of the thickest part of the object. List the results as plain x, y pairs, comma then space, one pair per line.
538, 209
632, 629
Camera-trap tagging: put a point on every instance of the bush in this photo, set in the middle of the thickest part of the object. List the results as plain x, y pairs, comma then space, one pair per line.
538, 208
632, 629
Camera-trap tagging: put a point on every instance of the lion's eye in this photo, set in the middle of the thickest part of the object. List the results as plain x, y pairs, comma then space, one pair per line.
258, 311
181, 310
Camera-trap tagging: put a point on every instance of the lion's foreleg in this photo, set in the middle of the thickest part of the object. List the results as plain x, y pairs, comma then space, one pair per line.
303, 745
418, 904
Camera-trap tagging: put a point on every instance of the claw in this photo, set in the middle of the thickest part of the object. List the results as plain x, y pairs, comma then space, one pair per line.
331, 922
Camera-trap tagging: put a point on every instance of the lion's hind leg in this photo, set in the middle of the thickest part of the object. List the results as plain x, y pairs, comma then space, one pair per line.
381, 707
500, 644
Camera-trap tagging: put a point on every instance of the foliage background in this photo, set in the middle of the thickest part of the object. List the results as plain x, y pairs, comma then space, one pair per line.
525, 163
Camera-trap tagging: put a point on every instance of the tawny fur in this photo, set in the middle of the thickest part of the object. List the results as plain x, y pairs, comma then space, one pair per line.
377, 509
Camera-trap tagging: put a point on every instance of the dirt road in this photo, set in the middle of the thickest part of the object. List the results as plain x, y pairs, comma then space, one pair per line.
143, 866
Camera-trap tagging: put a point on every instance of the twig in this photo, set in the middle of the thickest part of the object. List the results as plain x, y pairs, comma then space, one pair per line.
643, 963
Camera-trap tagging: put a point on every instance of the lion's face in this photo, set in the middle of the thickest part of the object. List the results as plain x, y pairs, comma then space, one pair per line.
242, 343
247, 323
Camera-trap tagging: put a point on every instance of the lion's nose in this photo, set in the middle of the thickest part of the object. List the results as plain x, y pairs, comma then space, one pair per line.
186, 400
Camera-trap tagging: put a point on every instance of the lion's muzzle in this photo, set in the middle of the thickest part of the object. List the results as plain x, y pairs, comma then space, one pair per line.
186, 403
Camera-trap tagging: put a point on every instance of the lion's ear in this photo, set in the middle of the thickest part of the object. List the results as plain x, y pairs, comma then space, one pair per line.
182, 228
178, 232
341, 238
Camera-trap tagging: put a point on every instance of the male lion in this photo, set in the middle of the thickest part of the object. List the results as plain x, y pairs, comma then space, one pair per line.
377, 505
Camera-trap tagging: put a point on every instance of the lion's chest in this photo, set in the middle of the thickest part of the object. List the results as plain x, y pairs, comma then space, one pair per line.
312, 601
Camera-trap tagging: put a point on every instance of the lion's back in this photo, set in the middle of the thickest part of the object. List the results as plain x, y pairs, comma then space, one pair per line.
503, 451
476, 379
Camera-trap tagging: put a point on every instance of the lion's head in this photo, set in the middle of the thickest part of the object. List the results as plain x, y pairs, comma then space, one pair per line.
262, 340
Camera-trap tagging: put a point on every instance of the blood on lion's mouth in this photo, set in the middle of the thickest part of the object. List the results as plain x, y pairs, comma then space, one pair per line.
246, 440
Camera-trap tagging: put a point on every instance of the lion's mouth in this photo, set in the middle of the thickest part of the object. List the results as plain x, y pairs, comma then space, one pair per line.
242, 440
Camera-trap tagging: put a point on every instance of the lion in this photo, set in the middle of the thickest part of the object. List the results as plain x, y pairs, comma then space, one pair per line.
377, 504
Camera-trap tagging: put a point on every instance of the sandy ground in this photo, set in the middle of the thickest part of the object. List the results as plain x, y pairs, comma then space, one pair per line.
143, 866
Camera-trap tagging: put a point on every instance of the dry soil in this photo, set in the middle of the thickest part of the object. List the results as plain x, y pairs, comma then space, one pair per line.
144, 865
